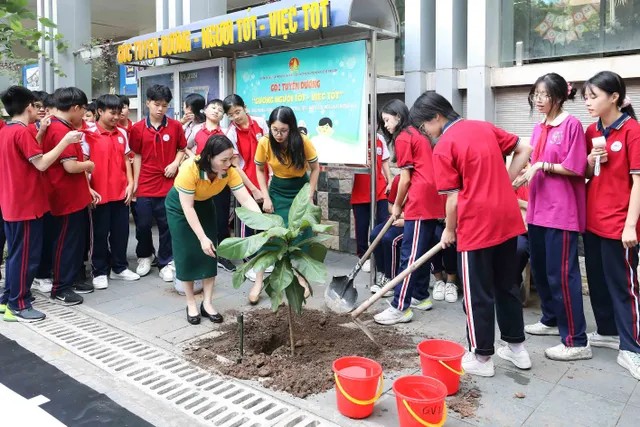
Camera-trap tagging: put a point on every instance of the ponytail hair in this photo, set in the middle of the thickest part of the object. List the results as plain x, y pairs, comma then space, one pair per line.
558, 89
610, 82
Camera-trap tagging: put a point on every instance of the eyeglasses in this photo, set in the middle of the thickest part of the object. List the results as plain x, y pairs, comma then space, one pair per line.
539, 97
38, 106
235, 114
280, 132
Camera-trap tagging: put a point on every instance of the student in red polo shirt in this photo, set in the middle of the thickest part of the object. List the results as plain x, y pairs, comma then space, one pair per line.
244, 132
214, 112
123, 121
613, 207
361, 199
484, 219
422, 209
69, 196
2, 236
24, 201
107, 145
158, 143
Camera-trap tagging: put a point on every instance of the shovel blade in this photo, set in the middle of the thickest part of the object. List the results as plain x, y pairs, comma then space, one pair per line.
341, 296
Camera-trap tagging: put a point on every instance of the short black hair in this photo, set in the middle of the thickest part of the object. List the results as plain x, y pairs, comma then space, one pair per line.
159, 93
49, 101
109, 102
215, 145
215, 101
197, 103
125, 100
16, 99
91, 107
67, 97
40, 95
325, 121
428, 106
233, 100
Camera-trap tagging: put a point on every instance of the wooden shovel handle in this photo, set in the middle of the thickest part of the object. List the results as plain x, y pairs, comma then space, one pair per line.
375, 242
392, 283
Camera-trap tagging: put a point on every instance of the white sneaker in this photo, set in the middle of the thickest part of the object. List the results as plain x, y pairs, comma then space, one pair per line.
606, 341
42, 285
438, 290
251, 275
563, 353
451, 292
168, 272
392, 315
366, 267
631, 361
541, 329
521, 360
380, 278
125, 274
144, 266
424, 305
100, 282
473, 366
375, 288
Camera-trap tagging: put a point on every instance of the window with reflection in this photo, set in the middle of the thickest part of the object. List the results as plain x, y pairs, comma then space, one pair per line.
538, 30
390, 53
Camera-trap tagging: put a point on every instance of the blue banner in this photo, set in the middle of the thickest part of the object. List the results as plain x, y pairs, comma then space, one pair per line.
128, 80
325, 86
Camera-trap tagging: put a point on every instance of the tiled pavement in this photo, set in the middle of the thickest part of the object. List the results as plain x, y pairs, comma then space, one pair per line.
595, 392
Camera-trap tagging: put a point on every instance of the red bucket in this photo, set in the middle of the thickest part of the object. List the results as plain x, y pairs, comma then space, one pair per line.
358, 385
420, 401
442, 360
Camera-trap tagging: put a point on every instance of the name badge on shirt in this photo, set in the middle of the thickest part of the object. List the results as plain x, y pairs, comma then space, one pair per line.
258, 136
379, 151
556, 138
121, 140
166, 138
616, 146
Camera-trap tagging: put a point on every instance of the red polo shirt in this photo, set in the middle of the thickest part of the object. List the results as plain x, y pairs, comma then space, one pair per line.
246, 144
393, 193
158, 148
203, 135
68, 192
108, 150
413, 152
22, 188
2, 124
609, 193
468, 159
361, 191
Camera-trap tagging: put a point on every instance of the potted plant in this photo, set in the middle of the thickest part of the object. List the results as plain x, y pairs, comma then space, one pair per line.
282, 247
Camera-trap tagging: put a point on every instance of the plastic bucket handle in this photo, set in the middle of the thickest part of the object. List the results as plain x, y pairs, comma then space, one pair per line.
360, 402
423, 422
460, 372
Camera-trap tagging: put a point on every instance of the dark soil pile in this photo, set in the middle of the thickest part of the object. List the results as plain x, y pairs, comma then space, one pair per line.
319, 338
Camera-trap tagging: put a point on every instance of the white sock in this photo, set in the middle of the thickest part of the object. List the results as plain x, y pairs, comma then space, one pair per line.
483, 359
516, 348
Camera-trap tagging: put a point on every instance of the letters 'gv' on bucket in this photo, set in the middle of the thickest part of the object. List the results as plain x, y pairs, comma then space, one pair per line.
359, 384
420, 401
442, 360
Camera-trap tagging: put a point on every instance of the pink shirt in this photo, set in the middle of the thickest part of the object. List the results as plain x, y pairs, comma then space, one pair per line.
558, 201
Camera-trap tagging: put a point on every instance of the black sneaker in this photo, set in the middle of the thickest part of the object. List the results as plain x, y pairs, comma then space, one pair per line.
83, 288
226, 265
67, 297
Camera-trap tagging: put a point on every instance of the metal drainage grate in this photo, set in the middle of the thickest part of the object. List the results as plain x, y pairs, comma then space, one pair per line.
199, 394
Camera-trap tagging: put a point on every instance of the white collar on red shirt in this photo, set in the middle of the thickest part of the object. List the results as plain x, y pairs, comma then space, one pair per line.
558, 120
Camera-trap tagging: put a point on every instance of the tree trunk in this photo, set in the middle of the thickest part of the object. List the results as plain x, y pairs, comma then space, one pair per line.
293, 345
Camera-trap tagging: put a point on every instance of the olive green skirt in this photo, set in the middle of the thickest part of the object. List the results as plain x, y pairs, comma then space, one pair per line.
282, 191
190, 261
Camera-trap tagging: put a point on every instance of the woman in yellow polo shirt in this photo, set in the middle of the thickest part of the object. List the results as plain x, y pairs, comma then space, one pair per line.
191, 215
289, 155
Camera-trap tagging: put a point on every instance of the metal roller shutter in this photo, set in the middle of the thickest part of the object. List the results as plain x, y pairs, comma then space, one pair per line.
512, 108
464, 103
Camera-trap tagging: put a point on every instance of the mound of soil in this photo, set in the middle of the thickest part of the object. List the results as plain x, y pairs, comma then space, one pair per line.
320, 338
467, 400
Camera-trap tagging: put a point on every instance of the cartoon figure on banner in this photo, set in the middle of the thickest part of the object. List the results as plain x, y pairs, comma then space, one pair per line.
324, 140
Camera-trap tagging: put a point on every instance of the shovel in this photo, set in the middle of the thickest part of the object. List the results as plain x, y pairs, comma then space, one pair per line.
389, 286
341, 295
